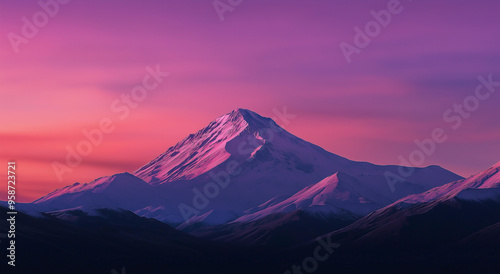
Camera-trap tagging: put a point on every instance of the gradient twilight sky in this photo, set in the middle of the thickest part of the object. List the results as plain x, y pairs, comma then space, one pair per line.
266, 54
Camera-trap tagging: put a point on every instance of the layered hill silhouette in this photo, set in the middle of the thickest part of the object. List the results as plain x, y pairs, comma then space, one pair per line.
243, 195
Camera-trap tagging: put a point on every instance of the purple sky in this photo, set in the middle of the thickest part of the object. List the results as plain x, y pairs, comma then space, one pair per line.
264, 55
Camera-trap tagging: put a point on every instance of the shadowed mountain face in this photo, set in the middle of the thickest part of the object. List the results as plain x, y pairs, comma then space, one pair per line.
455, 210
243, 167
453, 227
260, 200
73, 241
274, 231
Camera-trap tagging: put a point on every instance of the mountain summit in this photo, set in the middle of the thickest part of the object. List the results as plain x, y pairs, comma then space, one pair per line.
243, 163
230, 134
253, 119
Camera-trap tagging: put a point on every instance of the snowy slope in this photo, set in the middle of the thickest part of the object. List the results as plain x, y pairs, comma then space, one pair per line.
339, 193
122, 190
198, 153
244, 160
446, 213
482, 186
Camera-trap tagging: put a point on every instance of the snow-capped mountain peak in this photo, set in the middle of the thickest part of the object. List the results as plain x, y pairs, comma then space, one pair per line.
273, 165
208, 148
252, 119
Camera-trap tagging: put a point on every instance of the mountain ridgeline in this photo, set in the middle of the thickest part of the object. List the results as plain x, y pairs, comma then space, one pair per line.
243, 195
242, 167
